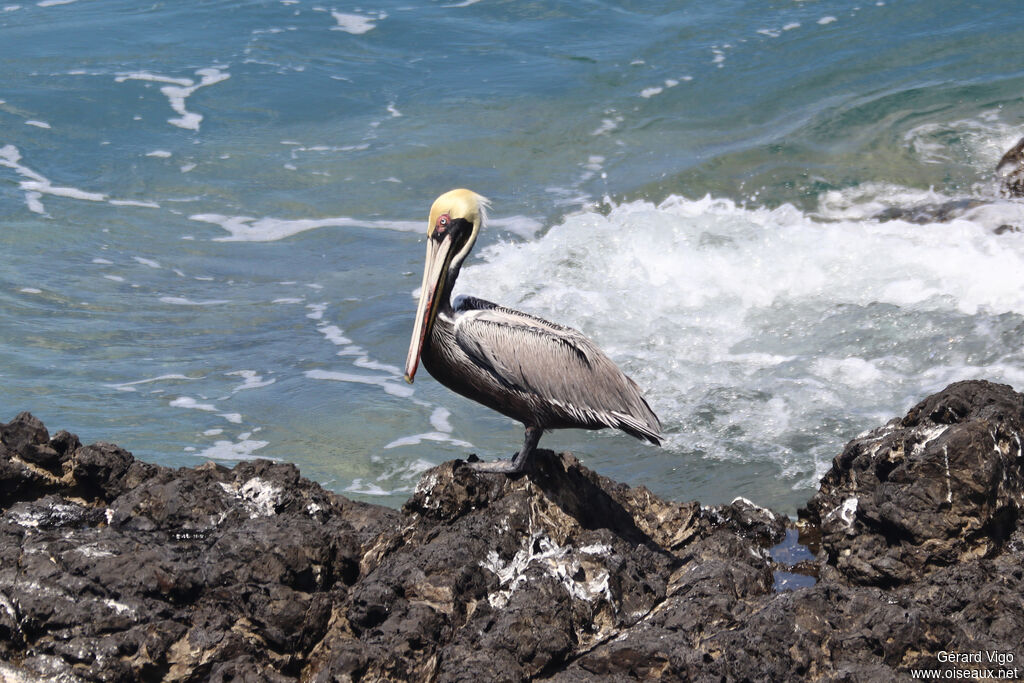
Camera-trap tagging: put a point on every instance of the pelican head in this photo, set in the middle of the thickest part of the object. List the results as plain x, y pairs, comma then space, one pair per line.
455, 221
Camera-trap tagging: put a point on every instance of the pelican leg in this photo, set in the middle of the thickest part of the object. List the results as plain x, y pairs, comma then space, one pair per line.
521, 459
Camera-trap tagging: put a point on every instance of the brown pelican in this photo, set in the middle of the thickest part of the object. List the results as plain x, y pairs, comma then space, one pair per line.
545, 375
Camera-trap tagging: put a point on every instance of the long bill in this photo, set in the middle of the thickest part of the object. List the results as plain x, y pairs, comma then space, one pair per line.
434, 273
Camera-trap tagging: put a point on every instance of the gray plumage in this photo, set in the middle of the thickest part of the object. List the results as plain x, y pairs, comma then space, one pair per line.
565, 378
544, 375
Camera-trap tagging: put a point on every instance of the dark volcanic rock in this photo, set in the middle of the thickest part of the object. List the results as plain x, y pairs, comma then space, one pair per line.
943, 484
512, 578
947, 564
1011, 170
113, 569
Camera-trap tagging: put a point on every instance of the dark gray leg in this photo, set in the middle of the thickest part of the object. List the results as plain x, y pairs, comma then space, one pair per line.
518, 463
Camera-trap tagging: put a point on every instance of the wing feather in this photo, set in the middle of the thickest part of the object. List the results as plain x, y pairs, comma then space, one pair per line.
554, 364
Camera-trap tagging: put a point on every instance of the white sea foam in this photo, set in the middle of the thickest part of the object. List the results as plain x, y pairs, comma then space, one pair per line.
356, 24
130, 386
439, 418
133, 202
404, 474
35, 185
648, 93
316, 311
244, 449
251, 380
608, 125
776, 32
371, 489
364, 361
191, 403
415, 439
183, 301
851, 372
269, 229
523, 226
750, 328
32, 201
249, 229
386, 383
178, 90
334, 335
981, 140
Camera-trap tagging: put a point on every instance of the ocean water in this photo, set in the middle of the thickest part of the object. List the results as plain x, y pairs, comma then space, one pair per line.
212, 219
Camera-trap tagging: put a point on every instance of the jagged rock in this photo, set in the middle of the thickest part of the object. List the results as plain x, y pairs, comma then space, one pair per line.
514, 577
1011, 170
943, 484
117, 570
120, 570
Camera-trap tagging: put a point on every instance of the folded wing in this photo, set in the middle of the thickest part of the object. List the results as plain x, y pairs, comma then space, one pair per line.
555, 365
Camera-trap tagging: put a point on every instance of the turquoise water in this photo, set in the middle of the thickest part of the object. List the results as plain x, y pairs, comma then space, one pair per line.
211, 217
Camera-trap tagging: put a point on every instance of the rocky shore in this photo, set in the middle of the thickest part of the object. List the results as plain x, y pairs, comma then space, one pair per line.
112, 569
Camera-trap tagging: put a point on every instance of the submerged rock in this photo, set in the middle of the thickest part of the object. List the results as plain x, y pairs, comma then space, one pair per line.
114, 569
1010, 175
923, 214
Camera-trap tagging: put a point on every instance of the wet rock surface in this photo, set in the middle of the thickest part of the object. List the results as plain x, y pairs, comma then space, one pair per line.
117, 570
1009, 173
1011, 170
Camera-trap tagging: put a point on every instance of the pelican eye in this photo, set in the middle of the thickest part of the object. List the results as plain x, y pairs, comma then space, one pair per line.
443, 223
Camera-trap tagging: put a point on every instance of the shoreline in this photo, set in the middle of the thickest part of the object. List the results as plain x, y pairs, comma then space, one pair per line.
116, 569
